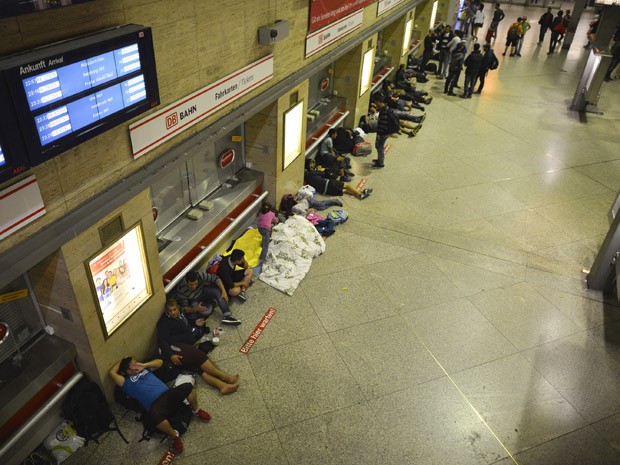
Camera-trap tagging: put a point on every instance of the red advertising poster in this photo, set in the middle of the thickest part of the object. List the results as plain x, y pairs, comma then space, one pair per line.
323, 12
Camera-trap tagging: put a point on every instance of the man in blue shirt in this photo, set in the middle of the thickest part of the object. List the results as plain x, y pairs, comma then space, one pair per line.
139, 383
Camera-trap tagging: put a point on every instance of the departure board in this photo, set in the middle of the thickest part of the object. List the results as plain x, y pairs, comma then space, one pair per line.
69, 92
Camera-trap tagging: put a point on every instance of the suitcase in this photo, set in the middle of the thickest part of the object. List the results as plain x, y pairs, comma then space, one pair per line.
489, 36
431, 68
362, 149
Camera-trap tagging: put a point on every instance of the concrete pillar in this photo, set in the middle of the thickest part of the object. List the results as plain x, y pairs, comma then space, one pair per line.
264, 145
578, 8
393, 37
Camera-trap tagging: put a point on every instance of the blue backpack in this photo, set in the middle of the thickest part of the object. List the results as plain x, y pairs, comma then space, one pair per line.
338, 216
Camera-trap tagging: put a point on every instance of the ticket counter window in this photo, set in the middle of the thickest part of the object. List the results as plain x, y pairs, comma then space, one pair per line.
382, 59
323, 105
170, 197
21, 323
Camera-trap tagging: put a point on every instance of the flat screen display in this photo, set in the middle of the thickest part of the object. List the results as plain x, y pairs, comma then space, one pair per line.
67, 93
13, 159
2, 159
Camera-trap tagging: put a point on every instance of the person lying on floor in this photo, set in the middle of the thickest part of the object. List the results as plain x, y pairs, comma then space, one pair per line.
176, 343
138, 382
326, 186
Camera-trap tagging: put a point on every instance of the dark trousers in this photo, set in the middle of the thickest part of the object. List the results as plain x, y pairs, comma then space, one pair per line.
470, 82
554, 40
425, 57
612, 65
380, 146
452, 80
541, 34
481, 76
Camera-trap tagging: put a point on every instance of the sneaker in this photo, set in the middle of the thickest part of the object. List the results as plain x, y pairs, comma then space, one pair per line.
204, 416
242, 297
376, 164
230, 320
338, 202
504, 54
452, 94
345, 179
177, 444
428, 100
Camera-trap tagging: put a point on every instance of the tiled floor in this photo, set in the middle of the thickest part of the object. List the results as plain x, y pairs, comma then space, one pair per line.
448, 321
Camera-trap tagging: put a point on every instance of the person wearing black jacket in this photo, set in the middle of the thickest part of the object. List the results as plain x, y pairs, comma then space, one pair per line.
429, 44
545, 22
498, 15
487, 58
382, 131
176, 343
444, 52
472, 67
454, 72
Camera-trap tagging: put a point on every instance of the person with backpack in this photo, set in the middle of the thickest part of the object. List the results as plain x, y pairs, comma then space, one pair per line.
489, 62
387, 124
512, 37
545, 23
472, 67
176, 343
138, 382
557, 28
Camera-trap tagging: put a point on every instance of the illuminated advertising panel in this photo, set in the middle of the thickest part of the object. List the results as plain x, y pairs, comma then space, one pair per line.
324, 12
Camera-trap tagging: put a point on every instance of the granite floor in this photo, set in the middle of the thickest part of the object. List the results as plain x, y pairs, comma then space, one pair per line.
448, 321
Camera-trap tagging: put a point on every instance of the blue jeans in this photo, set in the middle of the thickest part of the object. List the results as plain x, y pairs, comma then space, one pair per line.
266, 234
323, 204
210, 295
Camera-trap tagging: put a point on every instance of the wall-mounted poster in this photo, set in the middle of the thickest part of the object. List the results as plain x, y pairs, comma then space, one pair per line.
324, 12
120, 279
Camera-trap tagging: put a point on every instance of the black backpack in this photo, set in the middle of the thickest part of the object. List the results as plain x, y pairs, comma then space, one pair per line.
494, 62
513, 32
393, 123
179, 420
87, 408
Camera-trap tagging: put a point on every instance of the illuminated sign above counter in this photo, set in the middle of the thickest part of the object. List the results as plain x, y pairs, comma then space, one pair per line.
67, 93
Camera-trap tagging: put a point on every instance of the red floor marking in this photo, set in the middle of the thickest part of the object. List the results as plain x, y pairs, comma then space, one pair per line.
361, 184
260, 327
387, 148
167, 458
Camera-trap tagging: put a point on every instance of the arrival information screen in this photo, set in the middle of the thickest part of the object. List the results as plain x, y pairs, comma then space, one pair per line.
2, 159
55, 88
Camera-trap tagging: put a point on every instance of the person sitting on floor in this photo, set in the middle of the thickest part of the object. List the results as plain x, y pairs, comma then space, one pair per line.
326, 186
236, 282
197, 290
138, 382
334, 163
176, 343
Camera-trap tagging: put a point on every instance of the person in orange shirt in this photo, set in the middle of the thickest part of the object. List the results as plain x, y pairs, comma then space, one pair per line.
512, 37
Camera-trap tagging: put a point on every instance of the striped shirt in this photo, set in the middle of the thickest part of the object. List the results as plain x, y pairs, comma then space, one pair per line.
187, 297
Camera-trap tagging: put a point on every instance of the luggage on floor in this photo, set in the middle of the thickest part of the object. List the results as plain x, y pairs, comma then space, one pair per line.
362, 149
431, 67
489, 36
420, 76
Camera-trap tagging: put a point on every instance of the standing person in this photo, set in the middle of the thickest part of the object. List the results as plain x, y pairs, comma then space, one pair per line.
334, 163
545, 23
498, 15
565, 22
615, 59
176, 342
489, 61
444, 52
556, 30
478, 21
429, 44
196, 290
138, 382
472, 68
525, 26
456, 65
382, 131
470, 12
266, 219
236, 282
512, 37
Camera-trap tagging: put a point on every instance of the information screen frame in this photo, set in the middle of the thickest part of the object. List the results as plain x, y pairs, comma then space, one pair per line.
47, 127
125, 262
11, 143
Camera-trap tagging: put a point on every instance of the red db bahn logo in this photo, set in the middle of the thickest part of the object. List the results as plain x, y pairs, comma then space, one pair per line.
227, 158
172, 120
325, 84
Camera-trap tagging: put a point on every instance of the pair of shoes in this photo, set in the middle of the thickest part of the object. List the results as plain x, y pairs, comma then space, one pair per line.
456, 86
445, 91
504, 54
177, 444
242, 297
512, 54
376, 164
518, 54
364, 195
452, 94
204, 416
468, 95
338, 202
464, 96
428, 100
422, 118
345, 179
230, 320
478, 92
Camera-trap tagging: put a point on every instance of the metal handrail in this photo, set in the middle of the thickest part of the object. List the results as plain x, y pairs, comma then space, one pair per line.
209, 248
318, 140
386, 73
43, 411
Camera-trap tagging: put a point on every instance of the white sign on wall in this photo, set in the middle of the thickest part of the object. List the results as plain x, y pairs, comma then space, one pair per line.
20, 204
318, 40
385, 5
166, 123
